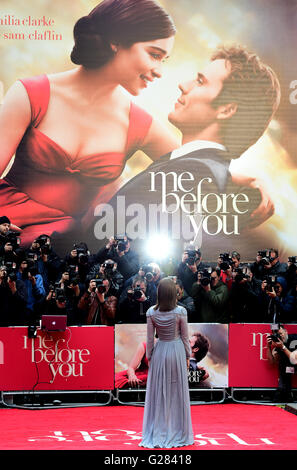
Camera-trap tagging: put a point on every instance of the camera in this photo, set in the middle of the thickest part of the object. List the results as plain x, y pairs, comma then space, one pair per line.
265, 257
271, 281
60, 294
193, 255
9, 264
12, 275
226, 258
135, 294
13, 238
82, 252
205, 277
275, 337
148, 275
42, 240
121, 243
101, 288
108, 266
32, 256
241, 274
292, 259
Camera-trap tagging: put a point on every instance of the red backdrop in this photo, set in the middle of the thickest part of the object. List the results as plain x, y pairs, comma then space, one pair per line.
81, 358
248, 364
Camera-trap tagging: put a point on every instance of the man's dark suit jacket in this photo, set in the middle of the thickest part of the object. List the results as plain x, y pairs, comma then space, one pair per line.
220, 222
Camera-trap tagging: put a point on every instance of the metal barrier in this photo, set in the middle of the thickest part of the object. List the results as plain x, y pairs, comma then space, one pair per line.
198, 396
55, 399
257, 395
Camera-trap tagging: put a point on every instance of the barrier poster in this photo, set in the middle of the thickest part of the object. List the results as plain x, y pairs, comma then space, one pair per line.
248, 361
208, 362
80, 358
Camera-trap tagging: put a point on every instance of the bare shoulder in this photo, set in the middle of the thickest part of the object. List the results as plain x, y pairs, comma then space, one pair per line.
17, 93
16, 103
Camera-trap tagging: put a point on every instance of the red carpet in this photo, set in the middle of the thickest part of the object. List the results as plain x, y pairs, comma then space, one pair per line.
216, 427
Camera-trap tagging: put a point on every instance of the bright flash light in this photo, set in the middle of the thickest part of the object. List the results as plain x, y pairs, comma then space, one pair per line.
158, 247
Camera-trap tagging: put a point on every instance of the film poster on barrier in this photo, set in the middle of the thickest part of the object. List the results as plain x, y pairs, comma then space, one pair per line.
208, 366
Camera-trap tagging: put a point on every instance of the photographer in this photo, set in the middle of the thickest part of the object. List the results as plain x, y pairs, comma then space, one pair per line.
48, 262
9, 243
28, 273
291, 272
108, 269
79, 260
57, 303
5, 226
226, 274
185, 300
152, 274
235, 258
211, 298
280, 346
277, 305
267, 264
69, 284
118, 249
134, 303
13, 299
244, 304
188, 269
275, 267
97, 306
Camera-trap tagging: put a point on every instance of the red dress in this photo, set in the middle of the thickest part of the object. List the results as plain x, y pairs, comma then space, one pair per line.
121, 378
46, 190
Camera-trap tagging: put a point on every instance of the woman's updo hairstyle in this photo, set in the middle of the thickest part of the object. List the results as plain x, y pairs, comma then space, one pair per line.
122, 22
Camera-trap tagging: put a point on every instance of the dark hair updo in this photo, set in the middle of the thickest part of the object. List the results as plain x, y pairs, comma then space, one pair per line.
123, 22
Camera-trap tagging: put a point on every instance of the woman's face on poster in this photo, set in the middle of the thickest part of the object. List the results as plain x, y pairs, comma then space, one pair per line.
137, 66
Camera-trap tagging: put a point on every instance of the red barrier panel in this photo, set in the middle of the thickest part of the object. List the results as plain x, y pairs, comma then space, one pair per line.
248, 363
80, 358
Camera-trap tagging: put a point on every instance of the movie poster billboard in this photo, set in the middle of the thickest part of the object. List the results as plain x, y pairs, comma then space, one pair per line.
64, 175
208, 361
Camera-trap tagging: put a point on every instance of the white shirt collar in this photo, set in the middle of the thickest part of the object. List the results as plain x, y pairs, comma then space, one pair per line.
195, 145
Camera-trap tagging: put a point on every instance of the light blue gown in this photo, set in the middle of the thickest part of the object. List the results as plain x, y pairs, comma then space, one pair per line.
167, 415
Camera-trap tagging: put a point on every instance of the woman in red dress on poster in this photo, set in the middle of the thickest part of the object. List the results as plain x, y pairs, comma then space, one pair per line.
72, 132
137, 372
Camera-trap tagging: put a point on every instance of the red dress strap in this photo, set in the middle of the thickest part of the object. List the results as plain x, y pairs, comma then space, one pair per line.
38, 89
140, 122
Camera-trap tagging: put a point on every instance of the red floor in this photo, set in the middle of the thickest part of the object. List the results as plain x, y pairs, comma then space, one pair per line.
216, 427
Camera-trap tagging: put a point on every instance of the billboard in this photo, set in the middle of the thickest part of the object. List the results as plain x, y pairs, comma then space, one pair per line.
76, 154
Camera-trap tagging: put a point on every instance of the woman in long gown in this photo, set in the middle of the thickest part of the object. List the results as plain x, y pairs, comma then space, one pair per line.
72, 132
167, 414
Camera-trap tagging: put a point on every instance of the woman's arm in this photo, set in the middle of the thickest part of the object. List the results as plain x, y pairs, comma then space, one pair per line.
15, 117
150, 333
159, 141
134, 363
293, 357
184, 333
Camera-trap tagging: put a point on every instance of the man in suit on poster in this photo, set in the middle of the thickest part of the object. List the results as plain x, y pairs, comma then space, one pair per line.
221, 112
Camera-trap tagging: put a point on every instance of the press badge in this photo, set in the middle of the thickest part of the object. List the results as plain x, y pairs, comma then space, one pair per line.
290, 370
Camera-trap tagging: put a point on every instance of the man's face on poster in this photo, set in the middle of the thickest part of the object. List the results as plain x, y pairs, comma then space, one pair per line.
194, 108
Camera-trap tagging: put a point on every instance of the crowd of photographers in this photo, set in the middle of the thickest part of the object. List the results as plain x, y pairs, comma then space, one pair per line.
112, 286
